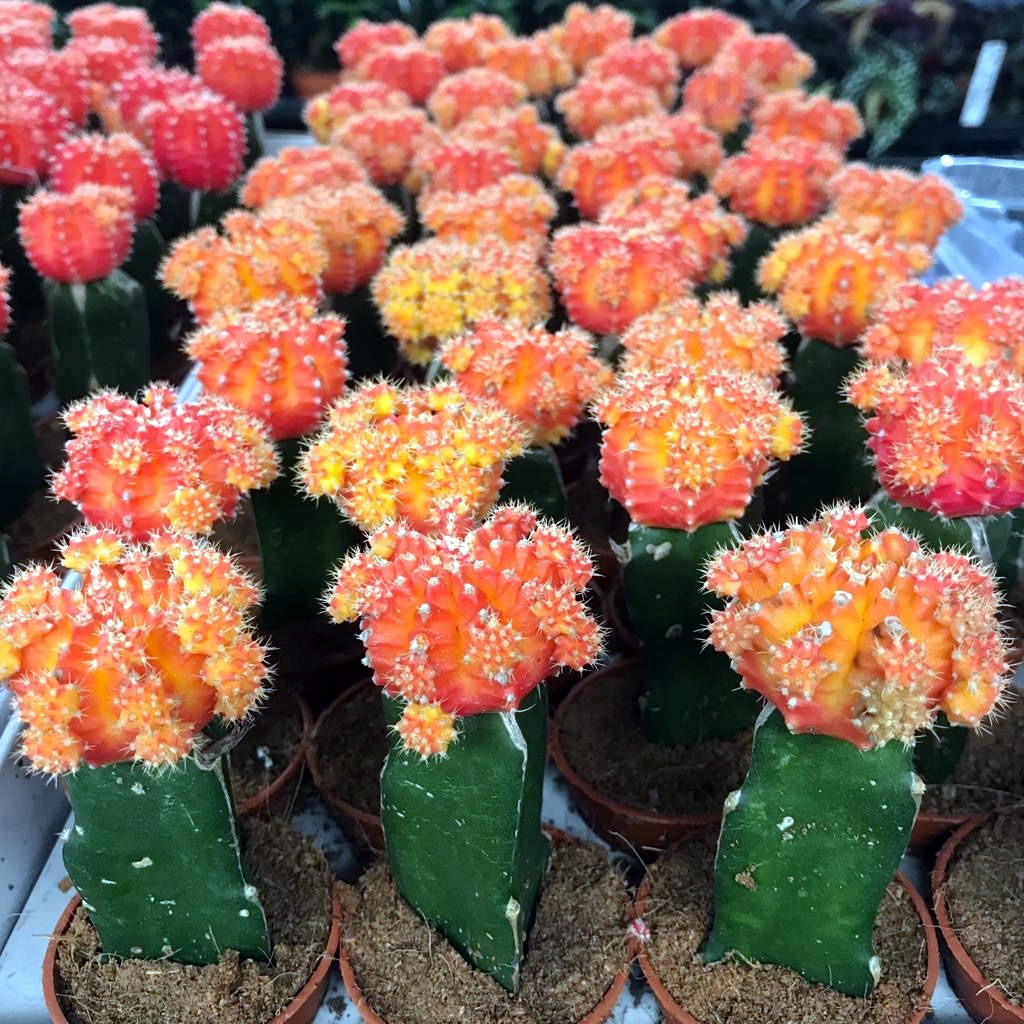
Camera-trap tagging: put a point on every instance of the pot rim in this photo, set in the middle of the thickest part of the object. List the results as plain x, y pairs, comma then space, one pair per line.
597, 1014
676, 1014
310, 996
967, 969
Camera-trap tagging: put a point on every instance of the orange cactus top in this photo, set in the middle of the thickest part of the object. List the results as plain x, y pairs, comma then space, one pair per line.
246, 70
829, 281
278, 360
912, 208
537, 62
586, 32
863, 638
134, 664
31, 125
948, 437
386, 142
260, 256
684, 448
594, 103
720, 96
326, 112
444, 630
779, 184
817, 119
462, 94
720, 332
388, 453
771, 59
435, 289
462, 42
644, 61
457, 166
220, 21
366, 37
545, 380
409, 67
297, 169
139, 467
696, 36
534, 146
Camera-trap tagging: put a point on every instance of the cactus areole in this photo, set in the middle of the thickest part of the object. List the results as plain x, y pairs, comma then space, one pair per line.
115, 673
858, 640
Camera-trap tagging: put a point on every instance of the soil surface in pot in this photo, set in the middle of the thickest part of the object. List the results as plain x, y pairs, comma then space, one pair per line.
267, 748
351, 745
409, 972
602, 739
679, 913
295, 885
985, 895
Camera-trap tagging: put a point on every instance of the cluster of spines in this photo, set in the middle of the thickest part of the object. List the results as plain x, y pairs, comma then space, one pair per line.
642, 60
697, 36
459, 95
387, 142
409, 67
720, 96
594, 103
328, 111
296, 169
246, 70
366, 37
461, 166
816, 119
771, 59
534, 146
586, 32
537, 62
463, 42
31, 124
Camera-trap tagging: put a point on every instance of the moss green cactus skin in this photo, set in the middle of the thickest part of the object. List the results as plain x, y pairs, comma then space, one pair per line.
807, 847
143, 265
463, 832
156, 858
535, 478
99, 334
21, 468
691, 692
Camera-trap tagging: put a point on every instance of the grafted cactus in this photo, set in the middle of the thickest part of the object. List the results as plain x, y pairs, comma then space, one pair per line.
858, 639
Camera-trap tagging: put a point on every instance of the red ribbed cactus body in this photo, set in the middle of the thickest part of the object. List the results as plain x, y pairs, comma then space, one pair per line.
60, 74
696, 36
409, 67
245, 70
130, 25
136, 101
462, 166
199, 141
720, 96
594, 103
327, 112
366, 37
645, 62
296, 169
534, 146
226, 21
106, 60
387, 142
586, 32
31, 125
462, 42
537, 62
818, 119
460, 95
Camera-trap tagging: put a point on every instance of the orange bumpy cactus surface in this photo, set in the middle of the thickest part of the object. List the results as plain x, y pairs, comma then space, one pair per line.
864, 638
408, 67
297, 169
78, 236
324, 113
778, 184
608, 275
460, 95
462, 42
134, 664
644, 61
829, 280
697, 35
386, 142
435, 289
226, 21
262, 256
912, 208
533, 145
537, 62
144, 466
410, 453
772, 60
245, 70
720, 96
948, 437
719, 333
595, 103
443, 626
31, 125
586, 32
366, 37
818, 119
458, 166
685, 448
545, 380
277, 360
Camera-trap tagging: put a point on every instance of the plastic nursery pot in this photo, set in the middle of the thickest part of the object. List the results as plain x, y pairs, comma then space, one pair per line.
983, 1000
632, 830
675, 1014
279, 791
362, 826
308, 84
598, 1014
301, 1010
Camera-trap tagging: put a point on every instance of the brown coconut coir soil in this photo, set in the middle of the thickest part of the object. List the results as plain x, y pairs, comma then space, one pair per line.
990, 773
294, 882
351, 746
679, 912
410, 974
985, 894
267, 748
603, 741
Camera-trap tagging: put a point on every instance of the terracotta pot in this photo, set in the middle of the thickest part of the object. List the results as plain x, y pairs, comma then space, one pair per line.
613, 603
983, 1000
597, 1015
362, 826
308, 84
301, 1010
675, 1014
281, 789
633, 830
932, 830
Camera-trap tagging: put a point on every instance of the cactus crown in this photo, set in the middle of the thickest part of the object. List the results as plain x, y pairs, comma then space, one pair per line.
644, 61
461, 166
330, 110
863, 638
586, 32
697, 35
720, 96
408, 67
595, 103
462, 42
131, 666
365, 37
219, 20
537, 62
461, 94
817, 118
534, 146
771, 59
31, 126
60, 74
386, 142
130, 25
246, 70
409, 453
443, 628
296, 169
682, 449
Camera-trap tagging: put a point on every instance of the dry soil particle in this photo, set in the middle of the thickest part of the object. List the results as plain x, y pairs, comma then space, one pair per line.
294, 882
267, 748
679, 912
985, 894
602, 739
410, 974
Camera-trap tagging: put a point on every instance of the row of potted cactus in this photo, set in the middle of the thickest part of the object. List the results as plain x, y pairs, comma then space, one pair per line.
454, 179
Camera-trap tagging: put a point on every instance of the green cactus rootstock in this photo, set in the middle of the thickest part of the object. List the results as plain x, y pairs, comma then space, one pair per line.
21, 468
691, 692
371, 351
301, 540
463, 832
99, 335
143, 265
745, 261
156, 858
808, 845
536, 479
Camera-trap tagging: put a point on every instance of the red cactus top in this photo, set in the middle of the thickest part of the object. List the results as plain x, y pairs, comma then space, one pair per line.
534, 146
462, 42
131, 25
458, 96
696, 36
721, 96
817, 118
408, 67
644, 61
387, 142
771, 59
60, 74
245, 70
227, 21
537, 62
586, 32
366, 37
594, 103
324, 113
31, 124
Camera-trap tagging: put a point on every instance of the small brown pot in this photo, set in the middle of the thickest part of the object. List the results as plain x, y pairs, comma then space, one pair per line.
675, 1014
307, 83
278, 793
301, 1010
631, 829
599, 1013
932, 830
983, 1000
362, 826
